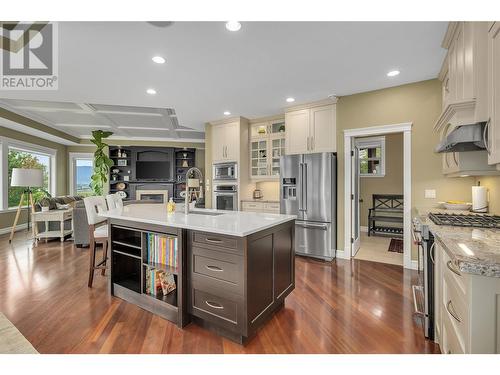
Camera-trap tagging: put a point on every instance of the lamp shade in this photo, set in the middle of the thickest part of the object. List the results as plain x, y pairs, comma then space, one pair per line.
26, 177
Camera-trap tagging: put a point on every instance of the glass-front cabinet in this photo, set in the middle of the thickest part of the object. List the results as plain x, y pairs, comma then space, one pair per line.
267, 144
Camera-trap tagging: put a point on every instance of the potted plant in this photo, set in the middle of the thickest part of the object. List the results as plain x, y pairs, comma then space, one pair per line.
102, 162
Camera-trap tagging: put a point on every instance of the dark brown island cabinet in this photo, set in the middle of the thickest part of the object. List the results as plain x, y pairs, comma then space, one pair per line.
230, 285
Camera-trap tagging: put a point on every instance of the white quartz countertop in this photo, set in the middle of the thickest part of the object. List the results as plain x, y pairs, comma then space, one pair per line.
232, 223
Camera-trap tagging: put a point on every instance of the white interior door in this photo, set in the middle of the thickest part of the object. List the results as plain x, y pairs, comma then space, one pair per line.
355, 226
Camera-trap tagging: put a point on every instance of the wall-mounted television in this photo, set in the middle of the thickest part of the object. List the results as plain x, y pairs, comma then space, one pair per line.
153, 170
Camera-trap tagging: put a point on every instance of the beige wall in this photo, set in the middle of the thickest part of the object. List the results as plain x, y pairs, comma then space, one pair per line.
270, 190
7, 218
419, 103
391, 183
493, 185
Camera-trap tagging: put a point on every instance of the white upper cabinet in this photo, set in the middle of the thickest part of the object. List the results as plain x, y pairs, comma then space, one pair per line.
297, 134
218, 144
231, 140
323, 137
493, 125
311, 130
464, 74
267, 144
225, 142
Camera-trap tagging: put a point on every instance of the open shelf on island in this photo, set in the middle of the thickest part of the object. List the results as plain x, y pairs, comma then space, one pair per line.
170, 298
173, 270
131, 273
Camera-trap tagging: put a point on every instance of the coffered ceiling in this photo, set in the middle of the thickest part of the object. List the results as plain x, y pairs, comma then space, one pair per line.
210, 70
126, 122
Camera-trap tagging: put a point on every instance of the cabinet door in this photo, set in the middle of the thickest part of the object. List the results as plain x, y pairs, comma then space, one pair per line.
297, 132
277, 149
218, 143
323, 129
436, 254
232, 141
259, 166
494, 94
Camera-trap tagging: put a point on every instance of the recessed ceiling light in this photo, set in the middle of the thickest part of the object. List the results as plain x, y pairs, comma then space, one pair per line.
393, 73
151, 91
227, 113
158, 60
233, 25
290, 100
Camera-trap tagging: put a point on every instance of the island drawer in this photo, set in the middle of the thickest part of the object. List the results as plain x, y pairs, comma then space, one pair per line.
217, 265
226, 311
216, 240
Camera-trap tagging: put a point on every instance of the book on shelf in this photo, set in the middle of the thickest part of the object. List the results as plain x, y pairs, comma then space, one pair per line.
159, 282
162, 249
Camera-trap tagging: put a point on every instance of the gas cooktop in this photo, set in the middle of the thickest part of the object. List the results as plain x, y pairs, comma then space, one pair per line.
475, 221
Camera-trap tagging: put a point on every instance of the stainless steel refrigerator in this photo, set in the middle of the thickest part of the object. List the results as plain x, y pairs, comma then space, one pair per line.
308, 189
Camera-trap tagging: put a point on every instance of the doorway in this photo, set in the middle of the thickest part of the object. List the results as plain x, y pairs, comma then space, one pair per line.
364, 154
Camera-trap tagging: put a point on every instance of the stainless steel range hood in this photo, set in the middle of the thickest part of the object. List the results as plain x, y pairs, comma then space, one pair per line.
464, 138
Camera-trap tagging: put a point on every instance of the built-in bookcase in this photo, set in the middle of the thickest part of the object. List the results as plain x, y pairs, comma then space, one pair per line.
134, 254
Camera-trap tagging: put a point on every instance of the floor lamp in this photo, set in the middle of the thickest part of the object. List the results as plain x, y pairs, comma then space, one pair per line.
27, 178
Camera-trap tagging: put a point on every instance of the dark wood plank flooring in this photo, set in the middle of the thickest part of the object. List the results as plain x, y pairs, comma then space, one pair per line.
339, 307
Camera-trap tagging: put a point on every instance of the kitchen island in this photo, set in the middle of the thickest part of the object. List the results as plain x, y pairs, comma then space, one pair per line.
231, 270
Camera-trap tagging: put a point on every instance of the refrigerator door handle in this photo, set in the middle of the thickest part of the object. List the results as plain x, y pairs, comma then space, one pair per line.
301, 184
304, 183
312, 226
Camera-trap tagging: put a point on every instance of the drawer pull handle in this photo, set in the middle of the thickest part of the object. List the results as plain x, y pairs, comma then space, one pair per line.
214, 268
452, 269
213, 240
214, 305
452, 312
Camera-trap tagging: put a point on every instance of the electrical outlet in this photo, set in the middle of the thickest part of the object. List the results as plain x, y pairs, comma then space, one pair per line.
430, 193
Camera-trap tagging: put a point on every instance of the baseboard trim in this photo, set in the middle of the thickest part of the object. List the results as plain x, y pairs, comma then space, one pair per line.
363, 229
18, 228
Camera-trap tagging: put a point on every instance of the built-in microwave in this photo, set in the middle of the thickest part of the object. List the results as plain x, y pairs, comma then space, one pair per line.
225, 171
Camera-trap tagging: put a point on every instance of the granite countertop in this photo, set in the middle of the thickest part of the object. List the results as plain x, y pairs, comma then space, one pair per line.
232, 223
473, 250
259, 200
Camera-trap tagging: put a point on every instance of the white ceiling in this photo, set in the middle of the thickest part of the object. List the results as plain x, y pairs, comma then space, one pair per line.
250, 72
126, 122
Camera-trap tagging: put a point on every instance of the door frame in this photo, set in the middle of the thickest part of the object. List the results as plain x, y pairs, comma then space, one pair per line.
349, 135
355, 181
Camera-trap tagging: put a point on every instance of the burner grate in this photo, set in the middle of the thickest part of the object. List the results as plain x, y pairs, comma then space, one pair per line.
460, 220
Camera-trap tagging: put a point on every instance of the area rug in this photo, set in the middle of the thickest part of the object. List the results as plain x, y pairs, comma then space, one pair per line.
396, 245
11, 340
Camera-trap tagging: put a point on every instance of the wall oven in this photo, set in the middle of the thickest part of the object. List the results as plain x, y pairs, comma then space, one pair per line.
225, 197
225, 171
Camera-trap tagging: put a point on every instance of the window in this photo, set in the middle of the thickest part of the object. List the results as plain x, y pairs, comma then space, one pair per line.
17, 154
81, 169
371, 156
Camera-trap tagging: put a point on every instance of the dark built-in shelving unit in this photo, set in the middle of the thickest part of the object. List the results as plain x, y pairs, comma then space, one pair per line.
180, 159
123, 170
129, 265
184, 159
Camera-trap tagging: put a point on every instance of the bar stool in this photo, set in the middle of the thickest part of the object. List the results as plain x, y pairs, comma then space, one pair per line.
114, 201
98, 233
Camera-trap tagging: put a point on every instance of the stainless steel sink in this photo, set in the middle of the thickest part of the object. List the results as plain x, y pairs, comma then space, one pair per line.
208, 213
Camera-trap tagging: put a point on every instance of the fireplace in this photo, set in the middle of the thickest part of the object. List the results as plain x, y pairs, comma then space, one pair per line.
155, 196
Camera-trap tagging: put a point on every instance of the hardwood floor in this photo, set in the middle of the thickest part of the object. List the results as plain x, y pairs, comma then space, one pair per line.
342, 307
